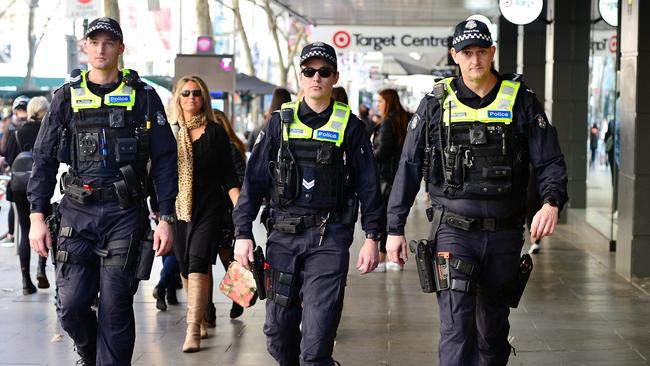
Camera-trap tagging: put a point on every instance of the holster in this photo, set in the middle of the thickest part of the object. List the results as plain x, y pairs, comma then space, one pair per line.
53, 222
258, 267
424, 259
525, 268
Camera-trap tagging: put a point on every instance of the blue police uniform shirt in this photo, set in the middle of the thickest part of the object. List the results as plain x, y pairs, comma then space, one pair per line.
529, 122
162, 148
257, 183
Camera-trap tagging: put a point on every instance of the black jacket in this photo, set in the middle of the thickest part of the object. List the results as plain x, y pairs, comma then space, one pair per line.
386, 150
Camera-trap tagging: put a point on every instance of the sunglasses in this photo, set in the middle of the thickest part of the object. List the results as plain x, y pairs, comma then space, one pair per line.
195, 93
324, 72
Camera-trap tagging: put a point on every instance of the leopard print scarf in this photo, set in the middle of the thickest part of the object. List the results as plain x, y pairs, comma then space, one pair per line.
186, 166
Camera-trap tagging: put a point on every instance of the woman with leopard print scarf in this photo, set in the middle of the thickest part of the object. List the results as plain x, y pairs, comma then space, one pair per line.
205, 171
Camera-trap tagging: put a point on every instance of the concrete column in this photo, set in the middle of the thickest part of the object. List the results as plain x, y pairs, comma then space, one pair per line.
566, 87
507, 52
633, 244
534, 58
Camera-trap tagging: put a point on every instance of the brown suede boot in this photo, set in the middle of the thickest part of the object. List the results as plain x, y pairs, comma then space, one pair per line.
197, 294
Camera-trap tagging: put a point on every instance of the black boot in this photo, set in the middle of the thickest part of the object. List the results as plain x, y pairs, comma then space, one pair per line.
28, 286
236, 310
210, 315
159, 295
41, 277
86, 360
171, 296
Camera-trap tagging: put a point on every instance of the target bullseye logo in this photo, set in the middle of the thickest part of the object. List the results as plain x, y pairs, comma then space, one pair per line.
341, 39
613, 43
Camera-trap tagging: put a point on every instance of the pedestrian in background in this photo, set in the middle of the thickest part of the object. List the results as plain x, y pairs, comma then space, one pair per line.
23, 139
387, 141
205, 171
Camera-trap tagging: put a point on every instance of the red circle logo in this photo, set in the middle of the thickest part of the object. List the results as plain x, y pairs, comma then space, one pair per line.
341, 39
613, 43
85, 1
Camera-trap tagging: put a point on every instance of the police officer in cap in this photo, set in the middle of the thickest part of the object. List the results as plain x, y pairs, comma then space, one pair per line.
472, 139
106, 124
314, 161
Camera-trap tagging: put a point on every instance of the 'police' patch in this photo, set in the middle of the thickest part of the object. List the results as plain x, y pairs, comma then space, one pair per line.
499, 114
160, 118
119, 99
414, 121
541, 121
328, 135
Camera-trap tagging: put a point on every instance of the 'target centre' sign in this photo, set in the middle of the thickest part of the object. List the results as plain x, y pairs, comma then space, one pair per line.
385, 39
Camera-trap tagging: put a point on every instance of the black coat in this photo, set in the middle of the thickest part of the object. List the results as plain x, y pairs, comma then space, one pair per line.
386, 149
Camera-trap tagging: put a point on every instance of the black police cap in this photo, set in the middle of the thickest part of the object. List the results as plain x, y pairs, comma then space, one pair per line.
320, 50
471, 33
107, 25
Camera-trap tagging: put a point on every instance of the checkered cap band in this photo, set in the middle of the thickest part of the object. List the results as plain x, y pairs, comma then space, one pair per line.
318, 53
469, 36
106, 27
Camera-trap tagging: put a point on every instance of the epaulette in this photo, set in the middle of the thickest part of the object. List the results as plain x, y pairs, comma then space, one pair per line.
75, 77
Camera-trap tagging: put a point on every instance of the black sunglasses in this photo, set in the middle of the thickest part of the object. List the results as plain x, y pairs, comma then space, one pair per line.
195, 93
324, 72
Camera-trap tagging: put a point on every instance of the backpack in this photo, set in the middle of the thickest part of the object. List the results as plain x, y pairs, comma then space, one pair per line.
21, 170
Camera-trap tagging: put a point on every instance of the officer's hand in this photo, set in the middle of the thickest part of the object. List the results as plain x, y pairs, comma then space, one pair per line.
39, 236
163, 237
544, 222
368, 256
396, 249
244, 252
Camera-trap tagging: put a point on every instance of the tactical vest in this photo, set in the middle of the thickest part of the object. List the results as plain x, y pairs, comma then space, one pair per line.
312, 170
104, 134
475, 156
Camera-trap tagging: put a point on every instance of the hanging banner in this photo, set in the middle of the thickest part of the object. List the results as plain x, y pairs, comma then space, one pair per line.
88, 9
385, 39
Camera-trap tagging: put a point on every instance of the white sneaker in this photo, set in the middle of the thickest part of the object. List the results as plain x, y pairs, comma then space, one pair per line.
394, 267
381, 268
534, 249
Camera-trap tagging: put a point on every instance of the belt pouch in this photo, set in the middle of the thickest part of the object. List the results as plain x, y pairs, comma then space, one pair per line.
145, 260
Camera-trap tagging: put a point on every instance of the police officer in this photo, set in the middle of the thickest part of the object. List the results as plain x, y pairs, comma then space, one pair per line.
313, 160
472, 139
106, 124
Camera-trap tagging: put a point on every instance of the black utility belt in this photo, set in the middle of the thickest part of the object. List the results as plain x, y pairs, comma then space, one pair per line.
298, 224
480, 223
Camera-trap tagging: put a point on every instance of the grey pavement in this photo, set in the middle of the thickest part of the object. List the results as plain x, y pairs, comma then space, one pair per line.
575, 311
